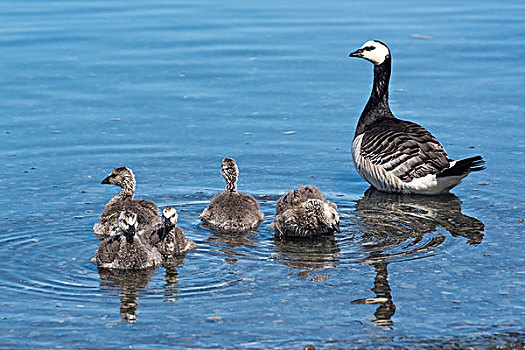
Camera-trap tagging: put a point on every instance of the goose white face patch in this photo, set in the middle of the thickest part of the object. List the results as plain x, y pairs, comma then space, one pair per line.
374, 52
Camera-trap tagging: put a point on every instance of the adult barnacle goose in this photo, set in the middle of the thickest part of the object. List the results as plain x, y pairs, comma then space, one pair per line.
169, 239
147, 211
128, 250
231, 211
395, 155
305, 212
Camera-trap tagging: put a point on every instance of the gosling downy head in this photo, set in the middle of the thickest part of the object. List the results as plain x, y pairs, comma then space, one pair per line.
122, 177
230, 173
326, 214
127, 223
169, 216
373, 51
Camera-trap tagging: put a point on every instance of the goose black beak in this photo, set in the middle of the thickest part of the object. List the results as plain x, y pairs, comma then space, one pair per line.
358, 53
105, 181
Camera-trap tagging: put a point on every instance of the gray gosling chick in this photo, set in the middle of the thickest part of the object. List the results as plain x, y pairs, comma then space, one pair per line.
231, 211
147, 211
128, 249
305, 212
169, 239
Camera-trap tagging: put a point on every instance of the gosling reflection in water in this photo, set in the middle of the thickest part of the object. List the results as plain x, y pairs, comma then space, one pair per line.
232, 240
231, 244
129, 283
171, 290
308, 254
387, 220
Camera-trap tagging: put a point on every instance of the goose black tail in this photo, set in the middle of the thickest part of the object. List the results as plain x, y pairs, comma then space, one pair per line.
464, 166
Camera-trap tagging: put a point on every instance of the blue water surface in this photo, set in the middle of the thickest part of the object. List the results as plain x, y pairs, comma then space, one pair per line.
168, 88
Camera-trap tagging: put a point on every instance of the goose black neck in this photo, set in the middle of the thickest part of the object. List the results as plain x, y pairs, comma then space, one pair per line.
377, 107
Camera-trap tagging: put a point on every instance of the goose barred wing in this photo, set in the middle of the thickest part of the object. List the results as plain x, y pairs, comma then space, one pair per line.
404, 149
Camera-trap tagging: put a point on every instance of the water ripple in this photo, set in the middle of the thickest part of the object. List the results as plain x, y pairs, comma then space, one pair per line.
376, 229
169, 88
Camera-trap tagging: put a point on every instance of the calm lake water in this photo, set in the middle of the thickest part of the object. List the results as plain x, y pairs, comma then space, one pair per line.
168, 88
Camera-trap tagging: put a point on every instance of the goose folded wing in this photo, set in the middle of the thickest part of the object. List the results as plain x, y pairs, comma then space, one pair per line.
404, 149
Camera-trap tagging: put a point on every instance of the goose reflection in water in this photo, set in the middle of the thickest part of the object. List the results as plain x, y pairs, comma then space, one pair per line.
396, 217
387, 308
129, 283
386, 221
308, 254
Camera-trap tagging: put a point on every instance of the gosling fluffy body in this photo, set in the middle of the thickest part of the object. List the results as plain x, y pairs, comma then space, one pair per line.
305, 212
230, 211
127, 250
169, 239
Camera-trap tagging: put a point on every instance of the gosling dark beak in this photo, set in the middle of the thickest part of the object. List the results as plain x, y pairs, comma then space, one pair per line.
358, 53
105, 181
336, 228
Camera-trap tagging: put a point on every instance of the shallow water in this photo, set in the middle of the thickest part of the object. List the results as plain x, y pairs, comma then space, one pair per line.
168, 89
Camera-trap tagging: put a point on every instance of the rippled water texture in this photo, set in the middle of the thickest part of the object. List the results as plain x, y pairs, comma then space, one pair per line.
168, 88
